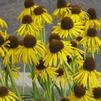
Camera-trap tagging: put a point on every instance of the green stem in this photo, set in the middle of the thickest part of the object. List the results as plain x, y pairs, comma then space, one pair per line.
48, 89
93, 55
6, 79
24, 71
33, 83
13, 83
69, 67
44, 35
1, 80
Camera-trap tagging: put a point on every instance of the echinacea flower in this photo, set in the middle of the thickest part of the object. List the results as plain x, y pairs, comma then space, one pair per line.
3, 43
88, 76
68, 28
12, 47
15, 72
77, 14
29, 6
41, 16
3, 24
80, 94
93, 21
62, 9
53, 36
7, 95
44, 72
97, 93
27, 27
31, 50
62, 79
91, 41
57, 51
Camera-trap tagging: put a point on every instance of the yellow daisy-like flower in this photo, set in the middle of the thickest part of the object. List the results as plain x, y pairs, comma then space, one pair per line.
42, 71
3, 43
15, 72
88, 76
40, 16
31, 50
27, 27
78, 39
57, 51
80, 94
77, 14
7, 95
29, 7
3, 24
62, 9
93, 21
90, 41
12, 47
78, 55
97, 93
61, 80
69, 28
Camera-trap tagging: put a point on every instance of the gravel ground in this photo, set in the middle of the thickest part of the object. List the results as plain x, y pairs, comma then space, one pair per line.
10, 9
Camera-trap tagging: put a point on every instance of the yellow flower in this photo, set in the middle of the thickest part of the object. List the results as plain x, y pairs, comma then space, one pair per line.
42, 71
3, 24
88, 76
29, 7
90, 41
78, 56
80, 94
62, 9
97, 93
57, 51
40, 16
3, 43
69, 28
27, 27
15, 72
77, 14
93, 21
7, 95
12, 47
62, 79
31, 50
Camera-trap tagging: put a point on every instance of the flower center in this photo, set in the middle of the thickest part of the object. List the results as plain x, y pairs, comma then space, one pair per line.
29, 41
27, 19
64, 99
61, 4
79, 91
39, 10
3, 91
41, 66
60, 72
56, 46
66, 23
1, 40
97, 93
76, 9
92, 13
91, 32
28, 3
89, 64
13, 42
54, 36
79, 38
69, 60
74, 44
